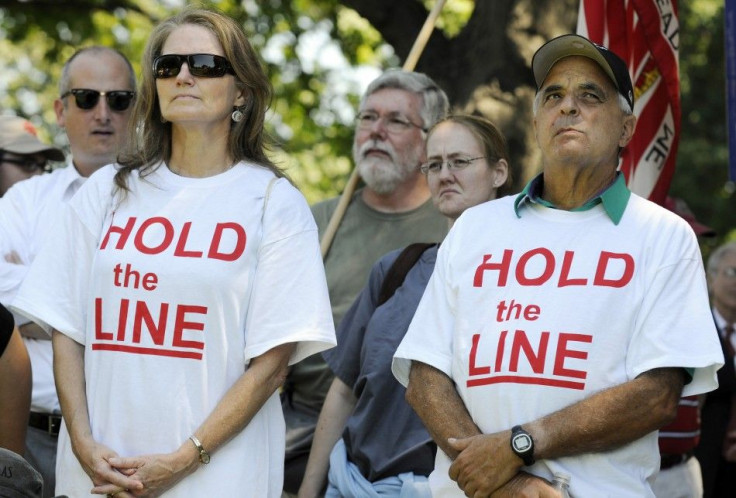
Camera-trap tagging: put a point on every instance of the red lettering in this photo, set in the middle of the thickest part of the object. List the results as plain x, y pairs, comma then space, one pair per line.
565, 274
123, 231
600, 272
122, 319
150, 281
502, 267
181, 325
474, 370
563, 352
500, 350
531, 312
180, 250
99, 334
548, 270
168, 235
536, 361
142, 314
217, 238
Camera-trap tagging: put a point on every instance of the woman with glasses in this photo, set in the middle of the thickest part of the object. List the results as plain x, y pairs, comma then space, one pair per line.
186, 278
369, 442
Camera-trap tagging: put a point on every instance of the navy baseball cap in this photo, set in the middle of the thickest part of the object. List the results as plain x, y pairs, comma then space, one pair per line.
566, 45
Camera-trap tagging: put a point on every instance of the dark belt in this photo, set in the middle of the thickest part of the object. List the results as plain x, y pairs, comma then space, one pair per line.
668, 461
46, 422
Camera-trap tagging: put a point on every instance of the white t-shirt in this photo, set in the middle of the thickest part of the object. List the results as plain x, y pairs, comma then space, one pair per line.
531, 315
29, 211
172, 291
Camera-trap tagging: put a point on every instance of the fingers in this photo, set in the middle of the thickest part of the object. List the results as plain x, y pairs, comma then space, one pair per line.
122, 464
115, 482
459, 444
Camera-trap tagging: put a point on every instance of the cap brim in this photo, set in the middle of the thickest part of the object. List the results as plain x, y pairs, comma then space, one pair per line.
702, 230
565, 46
51, 153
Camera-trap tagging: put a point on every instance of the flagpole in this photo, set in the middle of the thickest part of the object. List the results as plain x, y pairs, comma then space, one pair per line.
730, 50
409, 65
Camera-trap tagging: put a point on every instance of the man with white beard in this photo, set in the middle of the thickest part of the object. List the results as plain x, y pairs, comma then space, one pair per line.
392, 210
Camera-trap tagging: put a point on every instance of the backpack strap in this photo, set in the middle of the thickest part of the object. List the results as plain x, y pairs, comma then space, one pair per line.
397, 272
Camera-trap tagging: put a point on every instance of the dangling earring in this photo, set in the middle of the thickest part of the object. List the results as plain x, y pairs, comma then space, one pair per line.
237, 115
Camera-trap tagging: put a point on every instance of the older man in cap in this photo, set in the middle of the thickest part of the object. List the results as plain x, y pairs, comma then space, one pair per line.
22, 154
96, 92
560, 326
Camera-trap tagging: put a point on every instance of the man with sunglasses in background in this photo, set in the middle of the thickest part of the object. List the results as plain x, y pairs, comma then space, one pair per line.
22, 154
96, 94
392, 210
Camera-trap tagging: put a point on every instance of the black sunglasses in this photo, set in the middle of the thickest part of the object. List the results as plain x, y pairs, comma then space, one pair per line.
27, 164
117, 100
200, 65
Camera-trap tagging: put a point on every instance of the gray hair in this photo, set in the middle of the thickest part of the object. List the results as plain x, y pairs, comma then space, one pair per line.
622, 103
65, 80
435, 104
714, 261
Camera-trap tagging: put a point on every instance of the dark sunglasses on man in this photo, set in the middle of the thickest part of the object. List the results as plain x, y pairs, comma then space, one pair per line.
28, 164
117, 100
200, 65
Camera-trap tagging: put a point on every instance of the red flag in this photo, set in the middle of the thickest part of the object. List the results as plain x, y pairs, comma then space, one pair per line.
645, 34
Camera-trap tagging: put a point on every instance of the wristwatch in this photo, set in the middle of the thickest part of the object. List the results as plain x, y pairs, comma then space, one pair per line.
204, 457
522, 444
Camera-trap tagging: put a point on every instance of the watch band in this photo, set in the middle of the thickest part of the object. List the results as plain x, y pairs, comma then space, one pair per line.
204, 457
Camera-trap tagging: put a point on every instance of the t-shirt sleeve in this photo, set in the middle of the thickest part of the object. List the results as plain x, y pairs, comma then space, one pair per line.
675, 327
289, 300
55, 292
344, 359
15, 239
429, 338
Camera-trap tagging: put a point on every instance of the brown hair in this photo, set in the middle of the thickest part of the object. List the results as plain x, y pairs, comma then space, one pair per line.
149, 138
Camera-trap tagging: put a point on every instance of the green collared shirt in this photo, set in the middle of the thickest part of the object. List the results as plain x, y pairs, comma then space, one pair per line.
614, 198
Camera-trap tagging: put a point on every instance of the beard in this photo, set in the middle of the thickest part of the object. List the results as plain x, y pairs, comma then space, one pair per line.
384, 173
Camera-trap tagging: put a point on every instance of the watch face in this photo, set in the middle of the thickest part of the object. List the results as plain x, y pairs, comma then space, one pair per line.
522, 442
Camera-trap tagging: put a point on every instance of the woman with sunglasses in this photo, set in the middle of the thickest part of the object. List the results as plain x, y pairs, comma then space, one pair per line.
368, 441
183, 296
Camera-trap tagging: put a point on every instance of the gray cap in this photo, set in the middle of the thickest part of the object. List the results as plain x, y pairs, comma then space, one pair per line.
19, 136
17, 478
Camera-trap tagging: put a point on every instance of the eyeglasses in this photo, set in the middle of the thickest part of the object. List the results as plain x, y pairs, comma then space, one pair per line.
394, 123
455, 164
200, 65
117, 100
27, 164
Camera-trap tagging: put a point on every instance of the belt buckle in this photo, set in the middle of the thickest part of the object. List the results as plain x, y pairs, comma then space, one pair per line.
54, 425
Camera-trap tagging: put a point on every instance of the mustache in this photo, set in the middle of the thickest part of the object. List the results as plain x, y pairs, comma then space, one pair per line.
375, 145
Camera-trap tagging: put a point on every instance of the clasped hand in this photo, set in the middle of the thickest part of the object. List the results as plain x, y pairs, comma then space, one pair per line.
138, 476
487, 468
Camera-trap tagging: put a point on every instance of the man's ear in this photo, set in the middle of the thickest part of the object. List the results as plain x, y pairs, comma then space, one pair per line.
629, 126
59, 110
